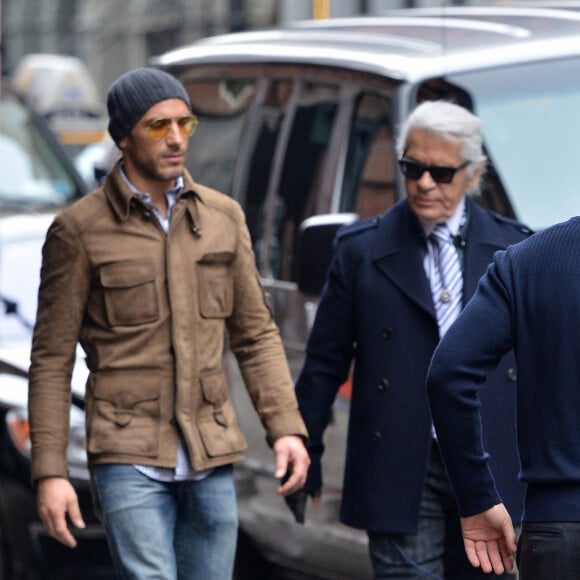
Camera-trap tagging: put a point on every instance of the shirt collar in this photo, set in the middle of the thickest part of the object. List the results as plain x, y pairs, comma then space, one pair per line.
172, 192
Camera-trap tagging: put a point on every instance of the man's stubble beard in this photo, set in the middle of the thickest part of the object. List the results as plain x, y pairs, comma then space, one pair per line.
148, 167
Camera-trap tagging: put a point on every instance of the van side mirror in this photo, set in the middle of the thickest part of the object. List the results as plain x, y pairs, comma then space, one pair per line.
315, 249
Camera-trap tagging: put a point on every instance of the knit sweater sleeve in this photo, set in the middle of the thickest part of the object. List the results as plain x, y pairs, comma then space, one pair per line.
470, 350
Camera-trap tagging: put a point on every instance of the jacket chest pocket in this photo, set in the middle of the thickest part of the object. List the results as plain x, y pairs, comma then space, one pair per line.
130, 295
216, 284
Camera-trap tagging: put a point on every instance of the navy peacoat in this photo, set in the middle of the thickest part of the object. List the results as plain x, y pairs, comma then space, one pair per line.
376, 309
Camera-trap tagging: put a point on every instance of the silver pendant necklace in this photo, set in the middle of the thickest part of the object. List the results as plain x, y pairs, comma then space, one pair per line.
445, 295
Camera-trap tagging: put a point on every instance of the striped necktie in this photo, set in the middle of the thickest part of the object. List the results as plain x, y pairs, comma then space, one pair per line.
447, 279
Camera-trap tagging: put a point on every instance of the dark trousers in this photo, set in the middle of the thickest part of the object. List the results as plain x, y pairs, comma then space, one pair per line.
436, 551
549, 550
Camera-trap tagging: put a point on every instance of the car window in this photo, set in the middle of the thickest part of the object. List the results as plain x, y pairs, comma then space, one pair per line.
531, 123
369, 182
33, 175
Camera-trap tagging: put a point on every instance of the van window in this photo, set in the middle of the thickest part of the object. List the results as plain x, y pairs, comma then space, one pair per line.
369, 182
270, 123
294, 193
222, 106
522, 108
289, 143
263, 140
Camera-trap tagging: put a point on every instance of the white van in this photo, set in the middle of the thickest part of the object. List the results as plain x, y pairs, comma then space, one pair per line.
299, 124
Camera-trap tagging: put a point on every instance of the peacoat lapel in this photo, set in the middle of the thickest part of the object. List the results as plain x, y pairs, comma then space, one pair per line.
398, 254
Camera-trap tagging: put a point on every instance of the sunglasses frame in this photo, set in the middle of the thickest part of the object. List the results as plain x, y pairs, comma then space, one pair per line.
159, 127
434, 170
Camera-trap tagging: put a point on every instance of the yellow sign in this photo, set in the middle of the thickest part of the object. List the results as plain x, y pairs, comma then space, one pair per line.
320, 9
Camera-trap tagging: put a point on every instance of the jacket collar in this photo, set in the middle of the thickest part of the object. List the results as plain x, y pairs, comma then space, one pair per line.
121, 197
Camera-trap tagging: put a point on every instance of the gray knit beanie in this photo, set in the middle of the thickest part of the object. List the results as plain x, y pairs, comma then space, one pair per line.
134, 93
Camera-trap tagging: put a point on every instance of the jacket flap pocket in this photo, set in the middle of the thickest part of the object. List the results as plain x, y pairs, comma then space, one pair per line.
217, 258
215, 388
123, 416
126, 275
219, 440
125, 392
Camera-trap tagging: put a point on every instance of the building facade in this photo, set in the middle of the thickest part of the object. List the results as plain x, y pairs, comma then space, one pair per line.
113, 36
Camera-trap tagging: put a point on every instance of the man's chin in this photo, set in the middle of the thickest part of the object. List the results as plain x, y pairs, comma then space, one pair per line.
171, 174
427, 215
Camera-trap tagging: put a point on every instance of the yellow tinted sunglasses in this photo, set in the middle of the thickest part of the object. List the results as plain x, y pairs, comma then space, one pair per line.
159, 128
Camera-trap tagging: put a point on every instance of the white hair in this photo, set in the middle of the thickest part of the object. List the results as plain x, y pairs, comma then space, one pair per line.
450, 122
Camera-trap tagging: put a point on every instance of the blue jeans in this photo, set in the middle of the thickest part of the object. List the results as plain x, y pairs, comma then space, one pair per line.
549, 550
436, 551
167, 531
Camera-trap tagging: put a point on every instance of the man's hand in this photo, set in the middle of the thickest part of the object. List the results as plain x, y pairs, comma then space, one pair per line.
292, 458
490, 540
55, 499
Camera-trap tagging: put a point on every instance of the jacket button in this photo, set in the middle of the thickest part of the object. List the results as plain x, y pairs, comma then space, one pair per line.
376, 436
383, 384
512, 375
387, 332
147, 215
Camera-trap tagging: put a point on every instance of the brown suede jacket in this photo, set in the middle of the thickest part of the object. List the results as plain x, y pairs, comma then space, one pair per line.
150, 311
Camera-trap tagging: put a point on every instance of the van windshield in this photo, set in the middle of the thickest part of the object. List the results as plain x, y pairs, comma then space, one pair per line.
531, 123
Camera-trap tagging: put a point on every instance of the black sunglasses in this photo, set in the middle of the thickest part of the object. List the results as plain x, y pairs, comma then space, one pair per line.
440, 174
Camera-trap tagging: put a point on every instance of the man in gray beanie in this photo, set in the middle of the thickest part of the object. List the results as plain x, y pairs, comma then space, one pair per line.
134, 93
148, 272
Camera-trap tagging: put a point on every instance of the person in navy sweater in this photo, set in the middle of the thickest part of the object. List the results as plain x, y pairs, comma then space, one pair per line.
529, 300
379, 309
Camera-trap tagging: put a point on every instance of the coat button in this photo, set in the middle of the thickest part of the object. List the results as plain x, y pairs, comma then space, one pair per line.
387, 332
383, 384
512, 375
376, 436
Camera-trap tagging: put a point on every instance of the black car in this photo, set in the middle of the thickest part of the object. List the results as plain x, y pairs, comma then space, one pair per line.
26, 550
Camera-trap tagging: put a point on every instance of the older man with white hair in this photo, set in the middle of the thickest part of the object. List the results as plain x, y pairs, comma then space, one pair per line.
395, 285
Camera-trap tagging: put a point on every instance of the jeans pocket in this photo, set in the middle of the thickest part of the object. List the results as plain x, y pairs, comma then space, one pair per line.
540, 551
